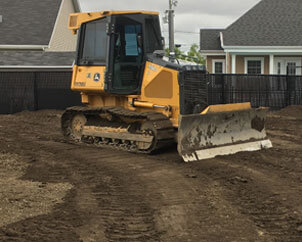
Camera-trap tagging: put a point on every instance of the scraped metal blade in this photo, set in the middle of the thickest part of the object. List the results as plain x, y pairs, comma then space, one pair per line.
222, 133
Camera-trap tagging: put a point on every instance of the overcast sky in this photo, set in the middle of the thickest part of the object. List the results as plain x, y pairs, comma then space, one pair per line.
190, 15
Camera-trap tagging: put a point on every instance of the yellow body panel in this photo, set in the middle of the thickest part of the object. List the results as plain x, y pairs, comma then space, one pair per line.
159, 92
105, 100
88, 78
227, 108
160, 87
77, 19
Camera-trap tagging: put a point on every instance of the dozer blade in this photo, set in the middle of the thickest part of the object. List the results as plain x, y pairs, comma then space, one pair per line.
203, 136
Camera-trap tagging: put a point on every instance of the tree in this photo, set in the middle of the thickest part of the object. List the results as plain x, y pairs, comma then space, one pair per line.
193, 54
178, 53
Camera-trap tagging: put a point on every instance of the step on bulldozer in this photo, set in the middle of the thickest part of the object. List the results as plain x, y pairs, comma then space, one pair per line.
135, 99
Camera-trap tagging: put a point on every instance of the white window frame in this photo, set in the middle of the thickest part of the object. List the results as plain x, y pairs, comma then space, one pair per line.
246, 59
218, 61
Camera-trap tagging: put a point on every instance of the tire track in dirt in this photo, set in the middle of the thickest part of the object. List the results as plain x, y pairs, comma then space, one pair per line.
131, 209
254, 197
178, 201
123, 212
175, 204
118, 210
121, 196
123, 216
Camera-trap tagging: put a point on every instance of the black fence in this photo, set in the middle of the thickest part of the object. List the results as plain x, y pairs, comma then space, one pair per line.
274, 91
34, 90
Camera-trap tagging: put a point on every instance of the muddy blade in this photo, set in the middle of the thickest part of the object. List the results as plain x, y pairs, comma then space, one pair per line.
206, 136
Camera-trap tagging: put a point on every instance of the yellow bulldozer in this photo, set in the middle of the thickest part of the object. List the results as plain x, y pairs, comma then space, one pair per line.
136, 100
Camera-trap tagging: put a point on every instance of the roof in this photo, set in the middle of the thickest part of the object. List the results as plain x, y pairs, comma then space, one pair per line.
36, 58
269, 23
210, 39
27, 22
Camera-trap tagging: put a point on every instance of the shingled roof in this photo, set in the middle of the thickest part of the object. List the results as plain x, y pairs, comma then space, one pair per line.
269, 23
36, 58
27, 22
210, 39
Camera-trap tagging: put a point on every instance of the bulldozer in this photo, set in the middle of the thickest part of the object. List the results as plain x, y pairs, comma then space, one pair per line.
135, 99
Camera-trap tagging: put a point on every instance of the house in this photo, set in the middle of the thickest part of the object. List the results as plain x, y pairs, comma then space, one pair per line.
34, 34
37, 51
265, 40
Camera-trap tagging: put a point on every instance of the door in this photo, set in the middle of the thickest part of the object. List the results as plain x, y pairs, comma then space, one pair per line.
288, 65
293, 68
126, 56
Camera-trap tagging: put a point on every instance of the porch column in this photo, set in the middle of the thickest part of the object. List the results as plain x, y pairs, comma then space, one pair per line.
271, 64
227, 59
234, 64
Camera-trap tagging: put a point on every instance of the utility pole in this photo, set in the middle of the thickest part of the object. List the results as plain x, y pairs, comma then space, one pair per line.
172, 3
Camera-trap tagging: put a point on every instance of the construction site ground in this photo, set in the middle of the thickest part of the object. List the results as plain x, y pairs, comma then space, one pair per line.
54, 191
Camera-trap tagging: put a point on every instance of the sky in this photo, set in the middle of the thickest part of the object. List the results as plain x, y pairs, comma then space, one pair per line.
190, 15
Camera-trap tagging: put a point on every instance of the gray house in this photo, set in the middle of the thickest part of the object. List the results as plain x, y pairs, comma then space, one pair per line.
265, 40
34, 34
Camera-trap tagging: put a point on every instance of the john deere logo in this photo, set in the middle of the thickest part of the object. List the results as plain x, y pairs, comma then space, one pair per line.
97, 77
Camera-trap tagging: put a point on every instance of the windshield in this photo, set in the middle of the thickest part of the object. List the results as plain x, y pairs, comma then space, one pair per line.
94, 43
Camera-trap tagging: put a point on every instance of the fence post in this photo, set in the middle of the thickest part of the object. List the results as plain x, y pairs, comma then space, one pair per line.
36, 103
268, 87
290, 83
223, 88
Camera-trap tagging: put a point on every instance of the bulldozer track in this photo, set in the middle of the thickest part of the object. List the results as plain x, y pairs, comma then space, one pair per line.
163, 134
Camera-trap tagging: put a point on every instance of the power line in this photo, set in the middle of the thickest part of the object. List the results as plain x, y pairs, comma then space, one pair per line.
185, 32
183, 45
181, 32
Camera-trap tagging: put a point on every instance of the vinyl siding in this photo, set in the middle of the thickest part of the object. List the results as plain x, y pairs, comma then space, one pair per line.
62, 38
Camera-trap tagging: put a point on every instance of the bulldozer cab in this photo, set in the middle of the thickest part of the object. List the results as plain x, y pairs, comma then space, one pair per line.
121, 43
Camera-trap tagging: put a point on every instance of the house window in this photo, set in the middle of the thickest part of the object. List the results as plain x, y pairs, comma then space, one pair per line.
218, 66
254, 65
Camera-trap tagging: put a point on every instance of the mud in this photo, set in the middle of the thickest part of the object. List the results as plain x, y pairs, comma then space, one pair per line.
54, 191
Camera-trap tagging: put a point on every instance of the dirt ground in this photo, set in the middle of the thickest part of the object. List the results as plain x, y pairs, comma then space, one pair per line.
54, 191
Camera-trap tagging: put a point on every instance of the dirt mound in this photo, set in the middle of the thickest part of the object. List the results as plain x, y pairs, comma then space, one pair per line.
40, 116
291, 111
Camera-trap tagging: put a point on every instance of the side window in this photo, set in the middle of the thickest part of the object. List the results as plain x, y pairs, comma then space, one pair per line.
95, 40
153, 39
